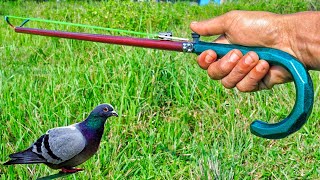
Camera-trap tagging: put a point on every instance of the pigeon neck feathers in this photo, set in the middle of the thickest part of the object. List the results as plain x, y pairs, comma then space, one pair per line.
94, 122
92, 128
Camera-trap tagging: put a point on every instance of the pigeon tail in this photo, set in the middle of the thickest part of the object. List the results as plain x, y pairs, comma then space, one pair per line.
25, 157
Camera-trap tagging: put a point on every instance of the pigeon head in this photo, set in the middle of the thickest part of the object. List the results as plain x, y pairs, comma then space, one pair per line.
98, 116
103, 111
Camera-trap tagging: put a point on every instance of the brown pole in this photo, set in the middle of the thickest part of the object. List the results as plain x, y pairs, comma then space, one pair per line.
121, 40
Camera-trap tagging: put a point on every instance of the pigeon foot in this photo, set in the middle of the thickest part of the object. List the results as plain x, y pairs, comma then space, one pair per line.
72, 170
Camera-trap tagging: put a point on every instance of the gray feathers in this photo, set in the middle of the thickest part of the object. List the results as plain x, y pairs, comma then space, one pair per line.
66, 142
25, 157
69, 146
60, 144
55, 147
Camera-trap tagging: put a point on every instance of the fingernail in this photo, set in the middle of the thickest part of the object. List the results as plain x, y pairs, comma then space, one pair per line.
234, 57
194, 22
208, 59
248, 60
260, 68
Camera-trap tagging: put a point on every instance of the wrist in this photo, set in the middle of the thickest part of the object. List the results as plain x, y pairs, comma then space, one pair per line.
303, 34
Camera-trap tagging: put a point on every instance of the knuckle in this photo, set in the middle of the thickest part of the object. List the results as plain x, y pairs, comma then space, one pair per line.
215, 72
243, 88
224, 66
213, 75
241, 71
252, 78
268, 85
263, 86
227, 84
279, 75
233, 13
223, 70
279, 78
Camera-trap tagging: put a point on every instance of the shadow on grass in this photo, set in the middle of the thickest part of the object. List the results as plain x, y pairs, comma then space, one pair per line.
54, 176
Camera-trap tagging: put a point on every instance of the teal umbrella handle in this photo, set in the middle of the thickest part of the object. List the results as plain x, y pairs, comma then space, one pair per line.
303, 84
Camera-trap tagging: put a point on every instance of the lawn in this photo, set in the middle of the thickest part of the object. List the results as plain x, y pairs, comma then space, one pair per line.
174, 121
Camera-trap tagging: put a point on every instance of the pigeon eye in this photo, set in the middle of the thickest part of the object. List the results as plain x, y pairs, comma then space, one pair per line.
105, 109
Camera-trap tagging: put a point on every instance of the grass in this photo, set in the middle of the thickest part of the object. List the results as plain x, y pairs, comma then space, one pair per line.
175, 123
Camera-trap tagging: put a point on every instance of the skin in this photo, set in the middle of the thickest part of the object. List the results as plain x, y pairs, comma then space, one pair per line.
297, 34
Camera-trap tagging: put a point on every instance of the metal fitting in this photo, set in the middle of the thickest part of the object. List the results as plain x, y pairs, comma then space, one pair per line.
187, 47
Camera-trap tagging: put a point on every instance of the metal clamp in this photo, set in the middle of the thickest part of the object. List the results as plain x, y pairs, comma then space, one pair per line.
165, 35
187, 47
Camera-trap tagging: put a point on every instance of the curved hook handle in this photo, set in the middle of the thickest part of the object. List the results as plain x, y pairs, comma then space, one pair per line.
303, 84
6, 18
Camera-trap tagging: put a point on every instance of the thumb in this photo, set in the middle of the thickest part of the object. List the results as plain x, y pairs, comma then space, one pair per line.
210, 27
222, 40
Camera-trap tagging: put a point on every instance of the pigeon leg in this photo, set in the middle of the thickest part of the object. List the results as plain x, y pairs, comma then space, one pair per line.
71, 170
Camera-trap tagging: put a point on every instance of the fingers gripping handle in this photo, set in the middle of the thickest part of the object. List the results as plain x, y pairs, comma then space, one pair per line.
303, 84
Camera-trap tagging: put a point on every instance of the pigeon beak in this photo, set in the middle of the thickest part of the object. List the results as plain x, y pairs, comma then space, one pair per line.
113, 113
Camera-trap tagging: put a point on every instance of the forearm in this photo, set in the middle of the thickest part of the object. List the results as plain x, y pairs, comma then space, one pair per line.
304, 37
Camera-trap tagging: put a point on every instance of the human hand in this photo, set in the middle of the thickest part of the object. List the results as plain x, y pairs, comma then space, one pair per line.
247, 72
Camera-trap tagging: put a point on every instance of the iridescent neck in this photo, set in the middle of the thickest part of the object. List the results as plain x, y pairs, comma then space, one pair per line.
93, 122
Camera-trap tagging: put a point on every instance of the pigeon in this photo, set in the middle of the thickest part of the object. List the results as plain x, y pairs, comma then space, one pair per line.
66, 147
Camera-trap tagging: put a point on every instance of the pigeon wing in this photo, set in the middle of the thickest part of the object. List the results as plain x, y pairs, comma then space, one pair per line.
60, 144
